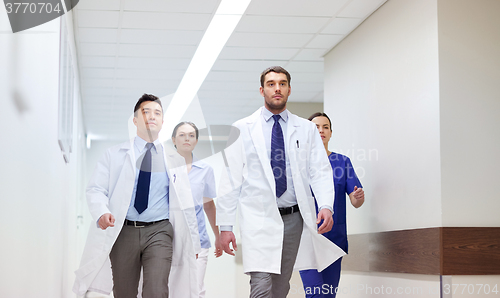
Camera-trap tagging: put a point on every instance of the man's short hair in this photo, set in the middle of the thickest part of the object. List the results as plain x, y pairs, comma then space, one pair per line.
276, 69
144, 98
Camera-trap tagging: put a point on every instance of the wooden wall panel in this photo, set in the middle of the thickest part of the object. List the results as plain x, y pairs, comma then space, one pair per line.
436, 251
471, 251
408, 251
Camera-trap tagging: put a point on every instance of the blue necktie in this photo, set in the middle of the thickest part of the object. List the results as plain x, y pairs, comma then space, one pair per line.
142, 193
278, 160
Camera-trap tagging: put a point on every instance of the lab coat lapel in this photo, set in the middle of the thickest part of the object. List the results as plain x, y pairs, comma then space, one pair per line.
293, 143
124, 185
131, 152
260, 146
186, 243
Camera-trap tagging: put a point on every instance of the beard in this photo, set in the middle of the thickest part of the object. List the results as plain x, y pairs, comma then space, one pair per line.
276, 105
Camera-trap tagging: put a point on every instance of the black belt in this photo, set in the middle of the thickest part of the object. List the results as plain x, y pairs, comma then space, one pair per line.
141, 224
289, 210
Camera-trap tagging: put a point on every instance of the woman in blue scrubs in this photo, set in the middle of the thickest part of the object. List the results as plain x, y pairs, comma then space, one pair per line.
202, 181
323, 284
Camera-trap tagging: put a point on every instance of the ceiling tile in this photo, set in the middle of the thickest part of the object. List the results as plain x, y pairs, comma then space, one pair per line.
277, 24
163, 74
302, 96
304, 66
319, 97
325, 41
132, 93
147, 84
159, 37
360, 8
234, 86
96, 91
97, 73
272, 40
98, 18
246, 65
154, 63
341, 26
99, 102
99, 82
318, 8
99, 5
97, 49
257, 53
127, 73
170, 37
210, 98
97, 61
164, 51
171, 21
310, 55
98, 35
304, 77
231, 76
185, 6
305, 87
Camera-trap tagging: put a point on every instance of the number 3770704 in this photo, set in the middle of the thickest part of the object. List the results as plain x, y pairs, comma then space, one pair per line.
470, 289
32, 8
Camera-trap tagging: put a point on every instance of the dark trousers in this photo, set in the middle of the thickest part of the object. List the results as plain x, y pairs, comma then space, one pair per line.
149, 248
321, 284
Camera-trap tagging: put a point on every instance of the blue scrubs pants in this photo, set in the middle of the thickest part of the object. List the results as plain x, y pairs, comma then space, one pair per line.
321, 284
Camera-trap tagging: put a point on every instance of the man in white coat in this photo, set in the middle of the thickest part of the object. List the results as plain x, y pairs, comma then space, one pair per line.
271, 169
133, 200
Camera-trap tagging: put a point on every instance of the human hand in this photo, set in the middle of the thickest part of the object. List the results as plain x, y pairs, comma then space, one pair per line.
359, 193
218, 247
227, 237
106, 220
326, 215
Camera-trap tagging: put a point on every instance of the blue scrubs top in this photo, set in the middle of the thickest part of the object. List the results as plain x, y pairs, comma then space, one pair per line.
344, 179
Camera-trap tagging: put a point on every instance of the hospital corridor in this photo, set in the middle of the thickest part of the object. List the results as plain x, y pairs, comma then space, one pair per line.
411, 89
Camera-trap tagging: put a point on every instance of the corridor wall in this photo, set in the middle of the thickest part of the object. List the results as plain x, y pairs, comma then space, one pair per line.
40, 192
413, 103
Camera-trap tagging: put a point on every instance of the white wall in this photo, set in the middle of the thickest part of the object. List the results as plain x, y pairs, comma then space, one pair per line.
39, 190
469, 70
469, 66
376, 284
417, 82
382, 95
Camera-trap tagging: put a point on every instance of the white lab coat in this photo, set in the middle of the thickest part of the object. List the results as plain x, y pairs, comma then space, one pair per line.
110, 191
249, 180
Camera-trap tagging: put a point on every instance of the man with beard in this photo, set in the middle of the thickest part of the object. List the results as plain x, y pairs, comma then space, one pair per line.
272, 167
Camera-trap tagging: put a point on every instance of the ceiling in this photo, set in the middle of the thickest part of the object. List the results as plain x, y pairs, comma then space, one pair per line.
130, 47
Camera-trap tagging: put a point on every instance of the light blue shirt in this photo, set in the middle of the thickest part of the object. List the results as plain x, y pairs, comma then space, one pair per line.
288, 198
202, 181
158, 189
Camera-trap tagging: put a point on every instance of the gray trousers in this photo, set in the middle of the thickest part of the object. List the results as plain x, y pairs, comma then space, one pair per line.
269, 285
148, 247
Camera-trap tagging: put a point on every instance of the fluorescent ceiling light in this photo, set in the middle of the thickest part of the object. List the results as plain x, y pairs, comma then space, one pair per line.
219, 30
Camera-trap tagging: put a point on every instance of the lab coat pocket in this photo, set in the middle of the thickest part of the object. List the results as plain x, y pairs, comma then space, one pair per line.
252, 213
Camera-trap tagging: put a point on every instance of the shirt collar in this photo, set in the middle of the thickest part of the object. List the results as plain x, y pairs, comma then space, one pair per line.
268, 115
197, 163
140, 143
